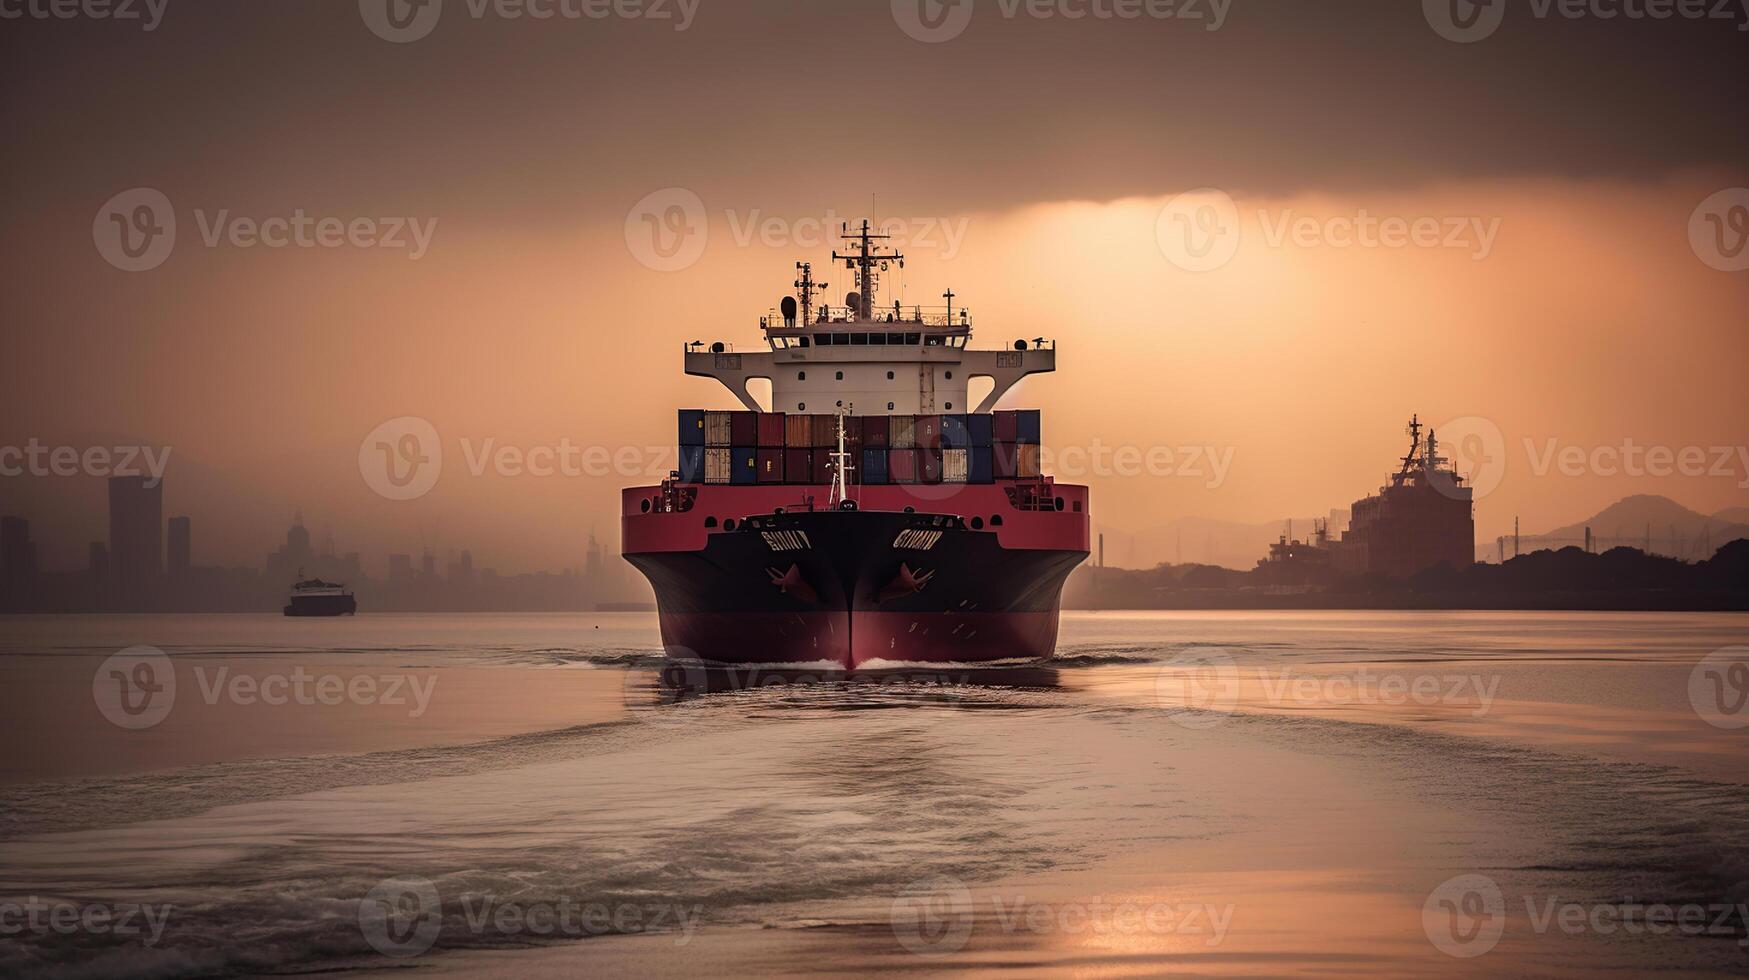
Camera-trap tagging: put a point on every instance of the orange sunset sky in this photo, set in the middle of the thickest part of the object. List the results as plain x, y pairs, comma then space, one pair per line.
1028, 159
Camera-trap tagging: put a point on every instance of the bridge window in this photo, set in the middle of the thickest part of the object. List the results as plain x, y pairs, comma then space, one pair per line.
801, 406
801, 375
840, 375
913, 338
889, 375
889, 406
950, 375
950, 406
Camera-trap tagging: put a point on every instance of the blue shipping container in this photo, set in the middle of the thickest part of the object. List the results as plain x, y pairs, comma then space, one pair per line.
1029, 427
692, 462
744, 465
953, 432
980, 431
874, 466
691, 427
979, 468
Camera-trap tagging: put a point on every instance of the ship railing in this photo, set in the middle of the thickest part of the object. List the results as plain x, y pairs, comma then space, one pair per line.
914, 316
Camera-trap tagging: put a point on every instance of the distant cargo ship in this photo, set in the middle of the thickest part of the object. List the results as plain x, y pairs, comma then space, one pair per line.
314, 597
873, 516
1424, 517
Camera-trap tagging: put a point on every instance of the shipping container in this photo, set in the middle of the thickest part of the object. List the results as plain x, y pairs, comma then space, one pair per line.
853, 429
1005, 427
979, 431
718, 464
874, 466
717, 431
744, 429
691, 427
929, 466
798, 464
953, 432
978, 465
902, 466
1006, 459
770, 465
825, 431
1029, 427
745, 460
692, 459
771, 431
822, 466
928, 432
798, 431
954, 465
902, 431
874, 431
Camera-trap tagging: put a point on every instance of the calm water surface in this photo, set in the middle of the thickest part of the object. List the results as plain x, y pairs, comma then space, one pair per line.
1252, 794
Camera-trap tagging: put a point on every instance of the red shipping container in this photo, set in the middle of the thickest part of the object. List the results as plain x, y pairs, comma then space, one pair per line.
798, 431
852, 435
928, 432
901, 466
874, 431
744, 429
798, 465
825, 431
771, 431
929, 462
770, 463
1006, 426
1005, 457
822, 466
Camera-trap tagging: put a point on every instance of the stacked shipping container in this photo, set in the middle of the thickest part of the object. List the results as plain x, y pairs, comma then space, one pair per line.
772, 447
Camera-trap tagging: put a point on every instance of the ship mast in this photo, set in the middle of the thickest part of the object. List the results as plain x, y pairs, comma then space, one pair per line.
841, 461
863, 262
805, 287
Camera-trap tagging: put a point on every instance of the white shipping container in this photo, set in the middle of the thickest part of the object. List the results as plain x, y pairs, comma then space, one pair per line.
719, 465
954, 466
716, 429
902, 431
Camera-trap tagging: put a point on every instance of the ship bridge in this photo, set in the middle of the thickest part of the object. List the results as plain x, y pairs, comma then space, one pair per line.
867, 360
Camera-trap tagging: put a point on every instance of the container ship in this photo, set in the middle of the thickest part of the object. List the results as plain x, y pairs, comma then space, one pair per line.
871, 517
1424, 517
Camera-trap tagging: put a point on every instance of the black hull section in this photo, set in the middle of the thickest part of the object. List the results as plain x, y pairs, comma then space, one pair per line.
852, 588
323, 605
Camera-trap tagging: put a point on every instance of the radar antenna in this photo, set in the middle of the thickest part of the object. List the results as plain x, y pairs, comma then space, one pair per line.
863, 262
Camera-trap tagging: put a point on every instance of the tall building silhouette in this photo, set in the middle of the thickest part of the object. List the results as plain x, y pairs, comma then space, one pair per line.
180, 546
136, 530
17, 554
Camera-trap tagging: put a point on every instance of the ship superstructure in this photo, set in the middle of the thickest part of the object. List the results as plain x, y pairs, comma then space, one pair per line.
870, 515
1424, 517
